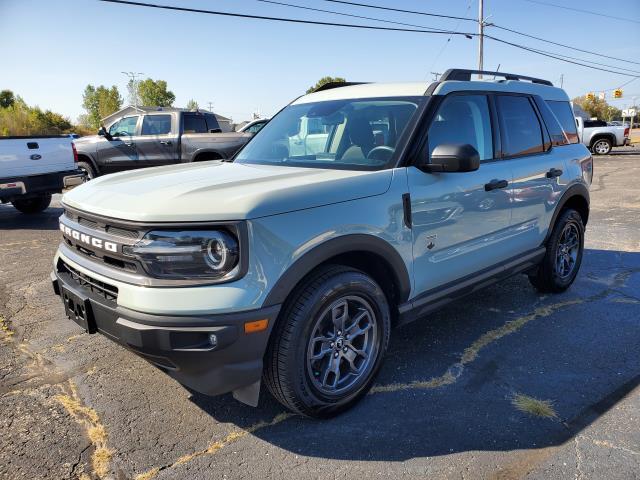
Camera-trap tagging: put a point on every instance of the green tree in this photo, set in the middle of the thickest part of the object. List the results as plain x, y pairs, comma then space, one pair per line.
153, 93
192, 105
7, 98
598, 108
100, 102
20, 119
324, 81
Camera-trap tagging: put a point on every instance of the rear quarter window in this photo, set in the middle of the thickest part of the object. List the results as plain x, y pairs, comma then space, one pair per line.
564, 113
519, 125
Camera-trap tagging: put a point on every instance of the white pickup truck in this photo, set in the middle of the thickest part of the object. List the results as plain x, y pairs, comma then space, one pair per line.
34, 168
600, 137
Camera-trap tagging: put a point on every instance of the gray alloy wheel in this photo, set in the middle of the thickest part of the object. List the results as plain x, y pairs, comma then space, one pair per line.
602, 146
343, 346
567, 251
87, 169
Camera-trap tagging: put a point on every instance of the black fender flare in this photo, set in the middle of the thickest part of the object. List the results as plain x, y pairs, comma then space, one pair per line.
205, 151
575, 190
337, 246
92, 161
598, 136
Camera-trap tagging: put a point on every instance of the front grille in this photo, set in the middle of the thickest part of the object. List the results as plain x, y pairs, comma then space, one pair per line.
101, 225
88, 223
106, 291
121, 232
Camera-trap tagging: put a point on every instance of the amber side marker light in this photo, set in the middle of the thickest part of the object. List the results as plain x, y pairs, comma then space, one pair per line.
256, 326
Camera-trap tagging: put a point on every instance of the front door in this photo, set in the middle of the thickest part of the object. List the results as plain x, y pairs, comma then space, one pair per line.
119, 153
158, 143
460, 220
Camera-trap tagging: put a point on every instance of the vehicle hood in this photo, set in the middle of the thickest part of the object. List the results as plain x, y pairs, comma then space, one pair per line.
212, 191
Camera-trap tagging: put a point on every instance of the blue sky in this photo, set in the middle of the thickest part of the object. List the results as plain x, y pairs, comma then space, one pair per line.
53, 48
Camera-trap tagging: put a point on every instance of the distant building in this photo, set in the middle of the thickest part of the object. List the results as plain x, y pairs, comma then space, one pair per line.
225, 123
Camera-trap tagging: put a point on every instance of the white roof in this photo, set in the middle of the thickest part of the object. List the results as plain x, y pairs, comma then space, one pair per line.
380, 90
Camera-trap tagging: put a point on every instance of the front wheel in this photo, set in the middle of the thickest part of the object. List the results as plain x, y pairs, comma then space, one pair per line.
329, 342
33, 205
602, 146
561, 263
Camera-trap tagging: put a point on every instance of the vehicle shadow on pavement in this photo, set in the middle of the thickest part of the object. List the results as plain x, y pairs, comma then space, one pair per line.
449, 380
12, 219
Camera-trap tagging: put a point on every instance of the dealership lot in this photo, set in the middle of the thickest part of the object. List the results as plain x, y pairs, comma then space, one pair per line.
76, 406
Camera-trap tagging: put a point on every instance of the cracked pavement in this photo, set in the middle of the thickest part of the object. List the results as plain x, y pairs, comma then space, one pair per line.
74, 405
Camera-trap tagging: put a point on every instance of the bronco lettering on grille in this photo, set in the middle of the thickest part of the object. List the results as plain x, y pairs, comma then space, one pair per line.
88, 239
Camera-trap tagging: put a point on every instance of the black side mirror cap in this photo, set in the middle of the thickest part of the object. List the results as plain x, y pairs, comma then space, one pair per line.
102, 132
452, 158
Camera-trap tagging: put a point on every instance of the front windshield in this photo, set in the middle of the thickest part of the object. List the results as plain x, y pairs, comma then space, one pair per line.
357, 134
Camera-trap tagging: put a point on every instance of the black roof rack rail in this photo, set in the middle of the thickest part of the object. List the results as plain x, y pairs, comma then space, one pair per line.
465, 75
331, 85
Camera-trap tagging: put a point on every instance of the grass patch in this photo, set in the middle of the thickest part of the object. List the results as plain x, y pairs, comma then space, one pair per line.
533, 406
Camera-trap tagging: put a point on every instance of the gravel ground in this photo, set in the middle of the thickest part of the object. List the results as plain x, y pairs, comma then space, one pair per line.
79, 406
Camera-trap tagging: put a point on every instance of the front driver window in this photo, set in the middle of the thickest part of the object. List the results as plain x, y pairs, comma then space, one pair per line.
123, 127
463, 119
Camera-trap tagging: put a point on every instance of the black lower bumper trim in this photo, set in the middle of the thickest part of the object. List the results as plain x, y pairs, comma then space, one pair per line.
182, 346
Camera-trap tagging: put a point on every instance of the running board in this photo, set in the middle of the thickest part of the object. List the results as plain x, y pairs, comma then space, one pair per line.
438, 297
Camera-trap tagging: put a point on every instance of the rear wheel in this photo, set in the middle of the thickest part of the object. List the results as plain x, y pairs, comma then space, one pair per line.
33, 205
329, 342
561, 263
601, 146
88, 170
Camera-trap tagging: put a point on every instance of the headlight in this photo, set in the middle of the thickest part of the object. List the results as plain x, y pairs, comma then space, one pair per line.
204, 254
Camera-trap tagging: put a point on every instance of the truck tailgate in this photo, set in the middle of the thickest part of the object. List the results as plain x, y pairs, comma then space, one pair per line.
20, 157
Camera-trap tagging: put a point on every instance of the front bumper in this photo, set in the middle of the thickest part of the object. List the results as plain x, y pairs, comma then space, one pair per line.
179, 345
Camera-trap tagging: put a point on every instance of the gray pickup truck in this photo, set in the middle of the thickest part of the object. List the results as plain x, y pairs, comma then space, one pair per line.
162, 137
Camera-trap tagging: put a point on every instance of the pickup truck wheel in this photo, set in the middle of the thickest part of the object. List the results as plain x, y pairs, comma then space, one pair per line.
33, 205
561, 263
601, 146
329, 342
88, 170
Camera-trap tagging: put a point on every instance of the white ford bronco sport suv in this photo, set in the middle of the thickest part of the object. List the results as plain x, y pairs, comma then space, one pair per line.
290, 268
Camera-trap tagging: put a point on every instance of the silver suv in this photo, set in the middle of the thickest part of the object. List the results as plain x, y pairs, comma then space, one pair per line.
355, 209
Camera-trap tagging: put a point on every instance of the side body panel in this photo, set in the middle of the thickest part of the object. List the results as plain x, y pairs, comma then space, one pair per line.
159, 149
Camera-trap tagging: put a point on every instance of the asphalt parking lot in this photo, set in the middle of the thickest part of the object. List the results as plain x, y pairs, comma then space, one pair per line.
79, 406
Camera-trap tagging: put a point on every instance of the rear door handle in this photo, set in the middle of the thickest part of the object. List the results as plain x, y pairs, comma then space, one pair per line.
554, 172
166, 142
495, 184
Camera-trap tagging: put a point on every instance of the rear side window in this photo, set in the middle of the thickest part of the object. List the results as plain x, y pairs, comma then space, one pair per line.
463, 119
156, 125
564, 114
194, 124
520, 128
212, 123
551, 122
594, 123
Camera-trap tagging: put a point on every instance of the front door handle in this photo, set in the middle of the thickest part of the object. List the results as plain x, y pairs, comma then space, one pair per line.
495, 184
128, 144
554, 172
166, 142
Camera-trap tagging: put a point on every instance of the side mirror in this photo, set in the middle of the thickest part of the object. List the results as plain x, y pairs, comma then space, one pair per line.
103, 133
452, 158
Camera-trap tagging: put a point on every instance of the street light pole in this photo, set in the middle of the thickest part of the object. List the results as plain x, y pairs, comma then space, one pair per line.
481, 36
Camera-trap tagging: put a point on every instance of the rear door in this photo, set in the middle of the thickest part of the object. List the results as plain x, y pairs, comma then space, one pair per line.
537, 168
120, 152
157, 142
460, 220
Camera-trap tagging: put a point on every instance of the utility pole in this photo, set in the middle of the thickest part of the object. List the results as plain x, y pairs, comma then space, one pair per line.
481, 37
210, 106
134, 85
435, 76
561, 79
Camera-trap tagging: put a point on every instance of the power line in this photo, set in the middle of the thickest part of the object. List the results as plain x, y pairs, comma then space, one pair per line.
566, 59
279, 19
365, 5
581, 10
448, 41
349, 15
562, 44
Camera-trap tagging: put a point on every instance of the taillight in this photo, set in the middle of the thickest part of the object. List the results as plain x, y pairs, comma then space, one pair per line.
626, 132
587, 170
75, 152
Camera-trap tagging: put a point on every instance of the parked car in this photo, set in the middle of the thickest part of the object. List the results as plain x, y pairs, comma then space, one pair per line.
34, 168
254, 126
600, 137
290, 268
157, 138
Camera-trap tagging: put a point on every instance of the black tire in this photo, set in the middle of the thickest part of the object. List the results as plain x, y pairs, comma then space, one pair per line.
33, 205
602, 146
87, 168
288, 361
550, 277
